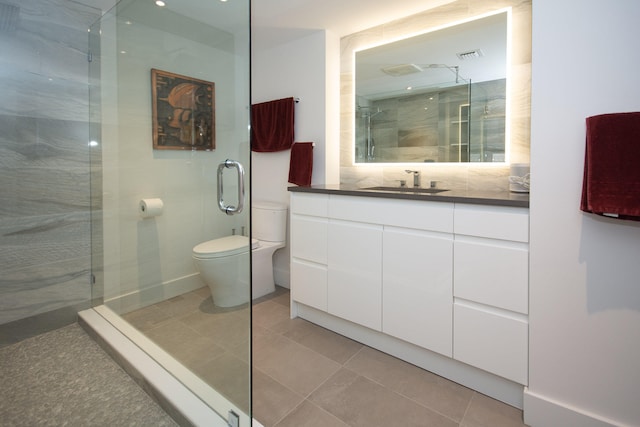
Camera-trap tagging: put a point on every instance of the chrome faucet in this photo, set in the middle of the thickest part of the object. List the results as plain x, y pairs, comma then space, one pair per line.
416, 177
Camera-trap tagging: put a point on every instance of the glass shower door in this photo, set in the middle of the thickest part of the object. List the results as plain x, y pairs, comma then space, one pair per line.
169, 102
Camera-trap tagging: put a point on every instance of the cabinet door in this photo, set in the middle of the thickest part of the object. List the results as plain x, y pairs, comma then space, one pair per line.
417, 288
355, 272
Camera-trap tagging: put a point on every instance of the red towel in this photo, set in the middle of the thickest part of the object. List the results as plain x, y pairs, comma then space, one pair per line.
272, 125
611, 184
301, 164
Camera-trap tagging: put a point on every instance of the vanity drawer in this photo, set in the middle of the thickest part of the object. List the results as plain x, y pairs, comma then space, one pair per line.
310, 284
490, 340
494, 222
492, 272
309, 204
309, 238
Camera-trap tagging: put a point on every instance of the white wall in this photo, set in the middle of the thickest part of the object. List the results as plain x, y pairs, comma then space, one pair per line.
297, 69
585, 270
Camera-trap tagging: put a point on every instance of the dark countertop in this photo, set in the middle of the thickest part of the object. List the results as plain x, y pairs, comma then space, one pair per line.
494, 198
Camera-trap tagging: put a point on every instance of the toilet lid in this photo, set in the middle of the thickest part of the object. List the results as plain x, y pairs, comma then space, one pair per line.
224, 246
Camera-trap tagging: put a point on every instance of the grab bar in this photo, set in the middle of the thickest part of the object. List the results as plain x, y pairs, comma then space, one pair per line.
230, 209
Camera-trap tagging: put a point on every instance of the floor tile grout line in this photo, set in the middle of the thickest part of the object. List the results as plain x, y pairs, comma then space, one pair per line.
155, 325
400, 393
178, 317
315, 405
362, 347
327, 357
433, 409
287, 388
327, 412
305, 398
190, 366
316, 353
322, 384
467, 408
275, 424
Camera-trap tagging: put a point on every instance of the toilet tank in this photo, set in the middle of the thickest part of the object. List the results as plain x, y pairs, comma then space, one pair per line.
269, 221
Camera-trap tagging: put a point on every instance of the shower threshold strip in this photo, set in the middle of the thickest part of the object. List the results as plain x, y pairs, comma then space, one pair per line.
161, 375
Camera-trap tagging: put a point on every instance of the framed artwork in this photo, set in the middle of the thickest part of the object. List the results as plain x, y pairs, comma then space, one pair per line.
183, 112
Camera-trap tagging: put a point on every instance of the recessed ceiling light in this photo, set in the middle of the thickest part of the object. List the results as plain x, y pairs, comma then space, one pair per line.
160, 3
401, 69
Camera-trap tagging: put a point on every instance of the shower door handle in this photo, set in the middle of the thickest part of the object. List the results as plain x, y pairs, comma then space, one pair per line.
230, 209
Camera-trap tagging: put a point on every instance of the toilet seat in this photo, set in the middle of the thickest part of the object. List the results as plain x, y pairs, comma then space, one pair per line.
224, 246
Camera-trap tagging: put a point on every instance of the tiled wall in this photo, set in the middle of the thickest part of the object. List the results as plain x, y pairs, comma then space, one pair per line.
44, 159
460, 176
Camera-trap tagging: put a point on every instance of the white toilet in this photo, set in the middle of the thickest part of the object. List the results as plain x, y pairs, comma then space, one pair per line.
269, 227
222, 263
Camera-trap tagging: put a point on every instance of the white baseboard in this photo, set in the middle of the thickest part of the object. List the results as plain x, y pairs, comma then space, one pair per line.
154, 294
541, 411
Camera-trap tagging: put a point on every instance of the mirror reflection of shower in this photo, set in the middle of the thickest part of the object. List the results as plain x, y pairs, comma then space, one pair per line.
366, 114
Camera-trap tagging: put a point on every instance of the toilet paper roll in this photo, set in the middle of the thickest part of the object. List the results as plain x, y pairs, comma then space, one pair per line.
150, 208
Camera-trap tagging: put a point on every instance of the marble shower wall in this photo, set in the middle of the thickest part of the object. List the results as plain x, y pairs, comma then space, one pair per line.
453, 176
44, 158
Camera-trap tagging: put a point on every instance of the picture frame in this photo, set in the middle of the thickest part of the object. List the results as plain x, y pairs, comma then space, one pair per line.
183, 110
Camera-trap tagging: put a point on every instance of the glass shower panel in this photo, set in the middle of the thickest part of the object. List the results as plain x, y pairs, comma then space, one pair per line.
169, 101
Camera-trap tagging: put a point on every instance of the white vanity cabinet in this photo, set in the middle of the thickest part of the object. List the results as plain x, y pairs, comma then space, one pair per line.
436, 283
491, 270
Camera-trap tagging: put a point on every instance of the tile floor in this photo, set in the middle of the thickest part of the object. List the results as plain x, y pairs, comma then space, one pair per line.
210, 341
305, 375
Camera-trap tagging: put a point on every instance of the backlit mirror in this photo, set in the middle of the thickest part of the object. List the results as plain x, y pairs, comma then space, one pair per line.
434, 97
